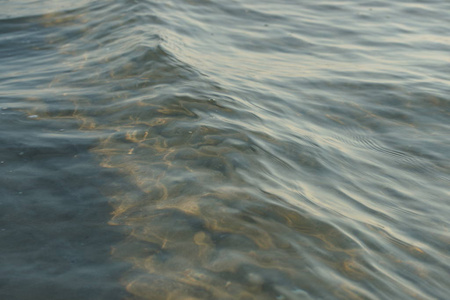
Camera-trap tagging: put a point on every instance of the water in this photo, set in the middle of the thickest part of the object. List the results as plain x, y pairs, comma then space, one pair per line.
224, 149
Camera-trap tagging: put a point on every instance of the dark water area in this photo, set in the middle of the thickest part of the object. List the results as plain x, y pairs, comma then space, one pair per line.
224, 149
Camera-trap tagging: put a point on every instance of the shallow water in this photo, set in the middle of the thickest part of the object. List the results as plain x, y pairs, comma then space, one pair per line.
224, 150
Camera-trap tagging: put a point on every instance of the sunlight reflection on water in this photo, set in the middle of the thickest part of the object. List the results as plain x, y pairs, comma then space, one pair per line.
246, 150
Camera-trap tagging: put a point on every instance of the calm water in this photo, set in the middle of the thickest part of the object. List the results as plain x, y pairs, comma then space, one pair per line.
241, 149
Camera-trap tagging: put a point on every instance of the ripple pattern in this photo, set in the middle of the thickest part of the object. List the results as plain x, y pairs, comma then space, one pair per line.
260, 150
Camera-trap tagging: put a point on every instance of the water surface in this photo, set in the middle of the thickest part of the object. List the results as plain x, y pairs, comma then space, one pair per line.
213, 150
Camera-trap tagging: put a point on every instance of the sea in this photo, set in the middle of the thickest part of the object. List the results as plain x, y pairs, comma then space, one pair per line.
218, 150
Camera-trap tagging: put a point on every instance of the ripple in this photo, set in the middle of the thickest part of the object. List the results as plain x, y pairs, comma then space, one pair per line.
247, 150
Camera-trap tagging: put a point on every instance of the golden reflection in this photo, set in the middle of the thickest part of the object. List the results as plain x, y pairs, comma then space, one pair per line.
195, 229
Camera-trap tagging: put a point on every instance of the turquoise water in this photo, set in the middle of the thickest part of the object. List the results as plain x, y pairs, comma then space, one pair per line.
224, 150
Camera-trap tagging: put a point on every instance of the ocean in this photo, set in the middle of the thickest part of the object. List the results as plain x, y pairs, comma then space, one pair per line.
207, 149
